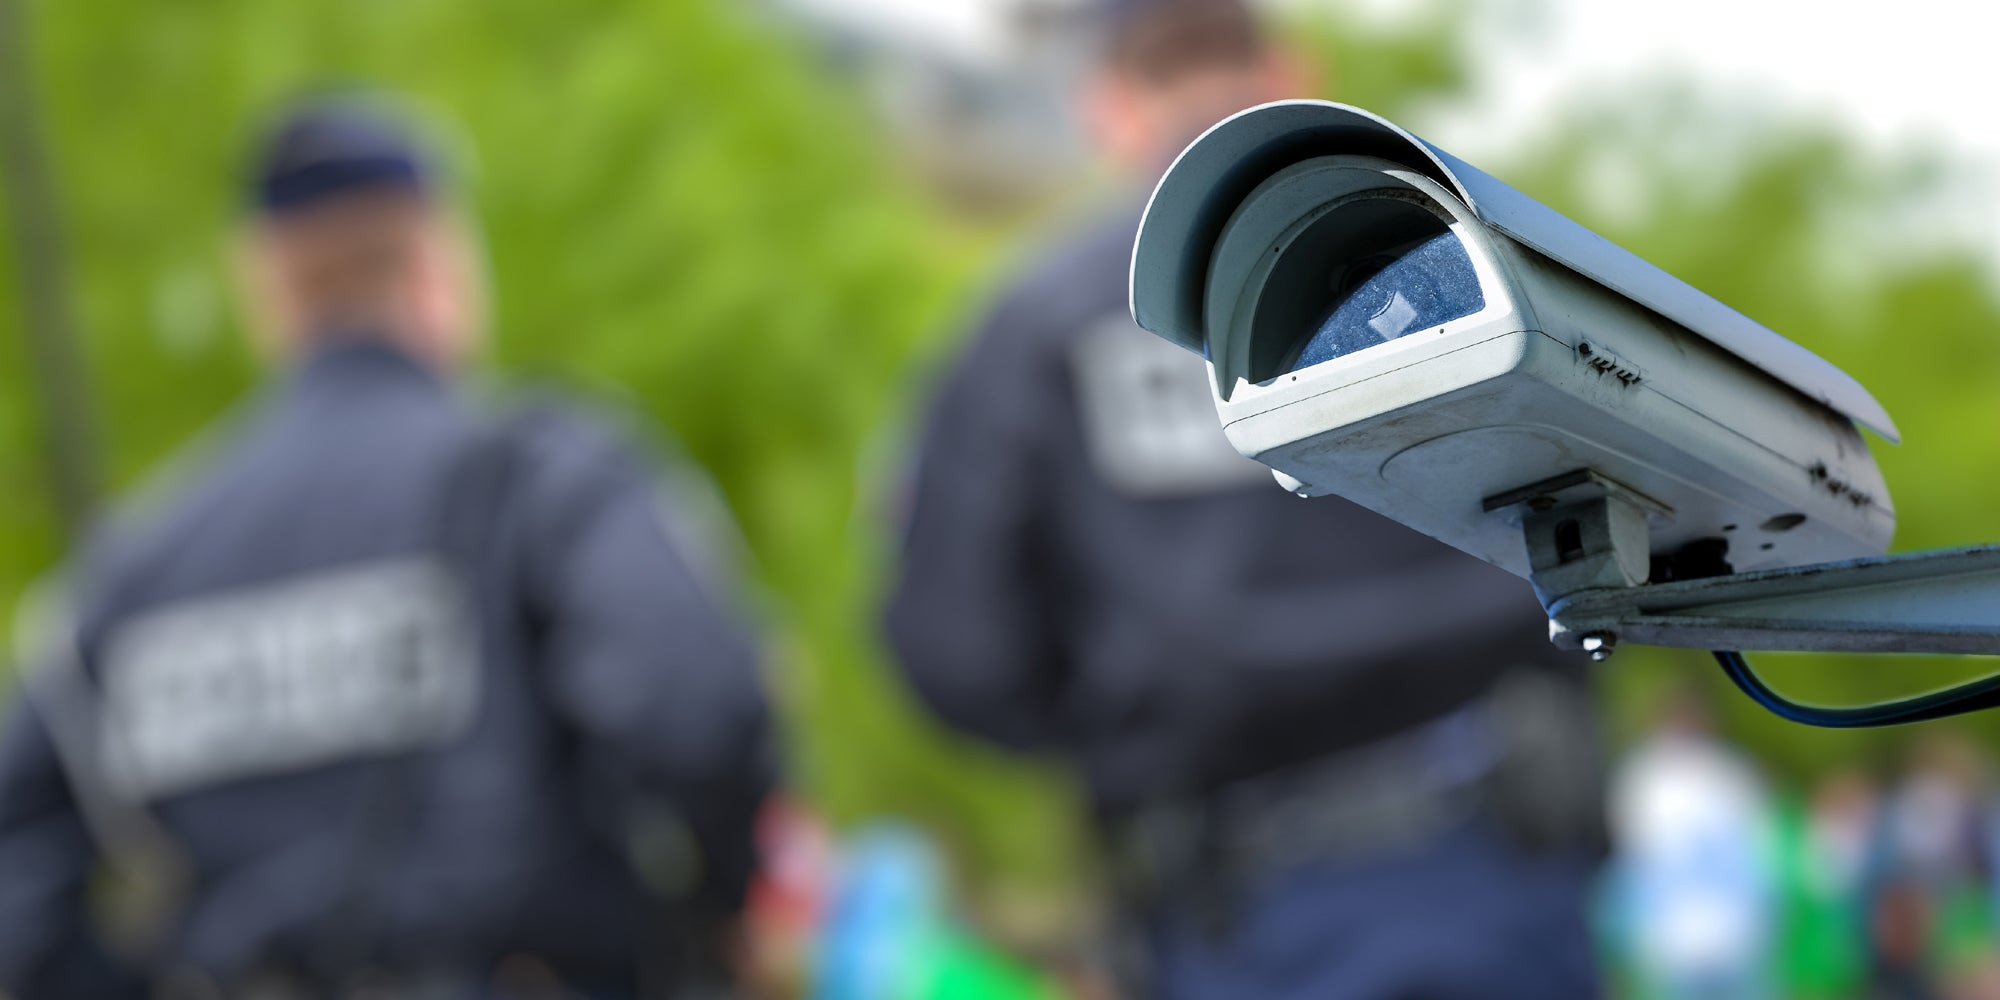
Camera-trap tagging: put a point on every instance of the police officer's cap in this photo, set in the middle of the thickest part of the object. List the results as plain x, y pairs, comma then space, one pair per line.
332, 146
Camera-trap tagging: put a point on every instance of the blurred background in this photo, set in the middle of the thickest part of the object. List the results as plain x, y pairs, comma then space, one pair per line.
757, 224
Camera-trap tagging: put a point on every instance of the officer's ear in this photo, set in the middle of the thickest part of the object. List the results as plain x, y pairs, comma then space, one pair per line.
450, 298
270, 315
1110, 117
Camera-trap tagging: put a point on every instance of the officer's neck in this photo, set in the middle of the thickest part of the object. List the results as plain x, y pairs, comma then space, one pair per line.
357, 337
345, 346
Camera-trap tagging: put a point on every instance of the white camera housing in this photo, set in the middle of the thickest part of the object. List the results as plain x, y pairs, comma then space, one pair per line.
1531, 353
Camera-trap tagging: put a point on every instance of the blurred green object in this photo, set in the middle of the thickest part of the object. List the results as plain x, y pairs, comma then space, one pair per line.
1965, 933
967, 971
890, 934
1823, 939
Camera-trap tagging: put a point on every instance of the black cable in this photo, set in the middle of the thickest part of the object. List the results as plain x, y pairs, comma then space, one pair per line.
1968, 697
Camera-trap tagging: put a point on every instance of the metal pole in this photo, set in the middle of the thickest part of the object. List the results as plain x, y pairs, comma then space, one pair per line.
57, 383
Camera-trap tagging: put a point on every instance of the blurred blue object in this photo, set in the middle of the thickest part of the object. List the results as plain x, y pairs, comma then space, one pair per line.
885, 912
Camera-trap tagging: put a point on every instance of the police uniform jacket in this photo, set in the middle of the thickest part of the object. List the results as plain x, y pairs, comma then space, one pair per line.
1089, 569
378, 727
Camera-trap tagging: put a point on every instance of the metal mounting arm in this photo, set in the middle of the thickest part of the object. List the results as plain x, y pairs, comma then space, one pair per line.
1946, 601
1588, 546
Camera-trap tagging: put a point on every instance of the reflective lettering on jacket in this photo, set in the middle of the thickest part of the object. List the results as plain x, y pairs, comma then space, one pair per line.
361, 661
1148, 418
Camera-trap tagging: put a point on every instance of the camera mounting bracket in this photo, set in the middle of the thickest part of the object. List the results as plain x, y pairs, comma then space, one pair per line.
1587, 544
1585, 531
1942, 601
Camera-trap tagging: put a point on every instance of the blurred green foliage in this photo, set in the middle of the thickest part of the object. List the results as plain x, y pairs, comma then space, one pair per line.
685, 215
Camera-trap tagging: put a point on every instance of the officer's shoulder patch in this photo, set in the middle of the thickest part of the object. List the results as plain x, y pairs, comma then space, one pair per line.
360, 661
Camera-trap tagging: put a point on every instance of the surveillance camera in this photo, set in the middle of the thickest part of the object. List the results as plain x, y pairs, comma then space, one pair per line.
1387, 323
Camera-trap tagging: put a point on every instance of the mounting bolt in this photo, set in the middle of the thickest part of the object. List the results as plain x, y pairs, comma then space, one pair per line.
1600, 645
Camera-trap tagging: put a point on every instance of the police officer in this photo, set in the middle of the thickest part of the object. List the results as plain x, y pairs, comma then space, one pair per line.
1332, 757
392, 694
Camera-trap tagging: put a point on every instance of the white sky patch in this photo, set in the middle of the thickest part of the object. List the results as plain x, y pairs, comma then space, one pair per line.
1915, 70
1912, 74
1924, 70
974, 30
1917, 76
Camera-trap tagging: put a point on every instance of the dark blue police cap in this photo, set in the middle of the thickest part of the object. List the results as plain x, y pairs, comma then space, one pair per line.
333, 146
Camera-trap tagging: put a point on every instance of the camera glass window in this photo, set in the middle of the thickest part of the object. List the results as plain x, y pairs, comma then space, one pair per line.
1382, 266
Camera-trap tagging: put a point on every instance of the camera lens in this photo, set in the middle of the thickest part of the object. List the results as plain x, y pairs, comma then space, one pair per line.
1417, 287
1370, 271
